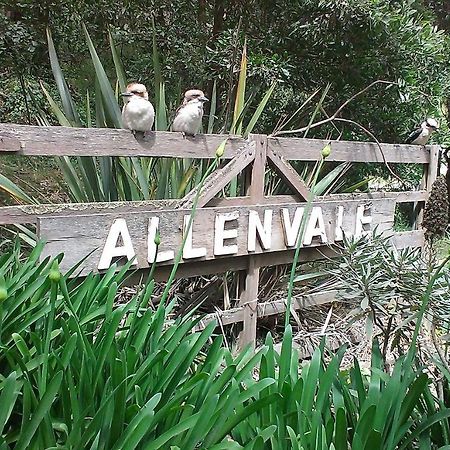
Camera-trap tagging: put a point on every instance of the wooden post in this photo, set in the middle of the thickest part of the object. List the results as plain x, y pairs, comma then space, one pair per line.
249, 296
432, 169
430, 172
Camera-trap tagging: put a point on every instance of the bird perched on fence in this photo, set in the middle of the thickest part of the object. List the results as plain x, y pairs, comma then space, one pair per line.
138, 113
188, 118
421, 135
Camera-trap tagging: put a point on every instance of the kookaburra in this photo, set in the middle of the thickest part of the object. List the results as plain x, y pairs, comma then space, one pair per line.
421, 135
189, 115
138, 113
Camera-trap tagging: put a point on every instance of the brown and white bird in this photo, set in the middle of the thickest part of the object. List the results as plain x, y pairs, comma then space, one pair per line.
138, 113
188, 118
421, 135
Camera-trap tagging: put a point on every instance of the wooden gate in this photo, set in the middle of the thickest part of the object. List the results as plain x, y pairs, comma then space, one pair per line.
227, 233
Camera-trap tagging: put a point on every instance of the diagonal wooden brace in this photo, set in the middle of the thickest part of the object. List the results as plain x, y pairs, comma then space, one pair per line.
220, 178
288, 174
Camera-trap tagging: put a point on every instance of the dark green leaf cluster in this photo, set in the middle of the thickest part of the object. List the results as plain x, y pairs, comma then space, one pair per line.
80, 370
303, 45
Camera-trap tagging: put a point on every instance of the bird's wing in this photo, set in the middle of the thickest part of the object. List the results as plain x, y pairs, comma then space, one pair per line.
124, 117
179, 109
413, 135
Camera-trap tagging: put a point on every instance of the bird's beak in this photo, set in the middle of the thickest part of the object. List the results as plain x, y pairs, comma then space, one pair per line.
126, 94
204, 99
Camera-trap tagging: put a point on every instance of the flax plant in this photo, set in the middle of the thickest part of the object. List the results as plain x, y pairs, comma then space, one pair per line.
92, 179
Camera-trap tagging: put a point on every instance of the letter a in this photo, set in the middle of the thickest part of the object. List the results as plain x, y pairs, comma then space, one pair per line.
110, 250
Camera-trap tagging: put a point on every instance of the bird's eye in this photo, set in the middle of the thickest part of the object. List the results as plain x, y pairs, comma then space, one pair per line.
135, 92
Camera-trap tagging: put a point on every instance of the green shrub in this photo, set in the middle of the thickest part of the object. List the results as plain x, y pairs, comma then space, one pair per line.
80, 370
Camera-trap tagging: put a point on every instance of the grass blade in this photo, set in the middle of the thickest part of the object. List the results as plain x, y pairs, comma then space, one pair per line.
41, 412
15, 191
120, 72
240, 93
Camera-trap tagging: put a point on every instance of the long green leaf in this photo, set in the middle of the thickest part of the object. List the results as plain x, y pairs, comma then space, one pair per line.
8, 398
15, 191
212, 109
259, 110
62, 119
69, 108
120, 72
138, 427
41, 412
240, 93
112, 107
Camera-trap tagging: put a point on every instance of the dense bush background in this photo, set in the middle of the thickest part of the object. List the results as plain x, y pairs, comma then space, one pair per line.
303, 44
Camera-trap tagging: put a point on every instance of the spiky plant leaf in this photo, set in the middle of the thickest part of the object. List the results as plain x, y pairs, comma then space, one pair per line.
112, 109
69, 108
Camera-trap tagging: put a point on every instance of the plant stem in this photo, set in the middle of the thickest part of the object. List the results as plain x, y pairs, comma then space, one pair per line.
425, 301
176, 263
51, 318
300, 235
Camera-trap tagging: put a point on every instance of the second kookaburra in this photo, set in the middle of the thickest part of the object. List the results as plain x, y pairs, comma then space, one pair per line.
138, 113
421, 135
189, 115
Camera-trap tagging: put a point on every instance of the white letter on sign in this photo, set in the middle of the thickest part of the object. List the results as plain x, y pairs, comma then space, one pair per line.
338, 232
362, 220
188, 251
312, 230
153, 224
291, 229
264, 232
220, 234
118, 228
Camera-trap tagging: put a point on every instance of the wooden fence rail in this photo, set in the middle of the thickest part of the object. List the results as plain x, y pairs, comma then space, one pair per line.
240, 233
63, 141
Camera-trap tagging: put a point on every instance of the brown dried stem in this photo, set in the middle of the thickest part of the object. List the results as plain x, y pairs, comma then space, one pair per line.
334, 116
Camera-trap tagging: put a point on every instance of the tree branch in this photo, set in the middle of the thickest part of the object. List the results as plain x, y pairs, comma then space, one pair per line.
337, 112
372, 136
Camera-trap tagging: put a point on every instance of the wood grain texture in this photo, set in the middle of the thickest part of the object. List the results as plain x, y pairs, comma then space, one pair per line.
24, 214
29, 213
398, 197
288, 174
310, 150
249, 304
220, 178
432, 170
222, 265
83, 234
249, 296
404, 239
418, 206
237, 263
257, 177
66, 141
235, 315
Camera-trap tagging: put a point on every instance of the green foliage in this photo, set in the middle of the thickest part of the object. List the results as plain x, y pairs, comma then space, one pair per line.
293, 49
302, 45
111, 179
387, 287
79, 370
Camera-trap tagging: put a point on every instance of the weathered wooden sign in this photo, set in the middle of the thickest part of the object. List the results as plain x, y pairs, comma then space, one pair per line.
213, 233
232, 233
